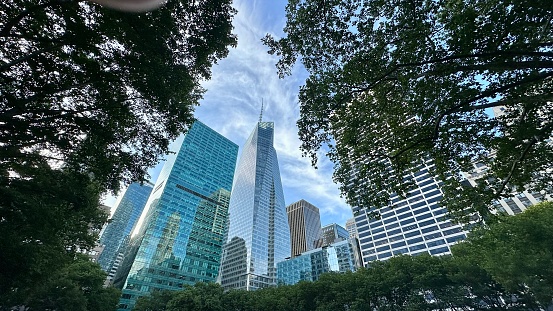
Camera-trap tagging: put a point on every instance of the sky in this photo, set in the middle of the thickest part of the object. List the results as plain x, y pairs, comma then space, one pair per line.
232, 104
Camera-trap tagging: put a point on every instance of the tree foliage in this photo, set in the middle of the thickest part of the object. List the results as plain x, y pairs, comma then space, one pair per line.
401, 283
100, 90
202, 296
45, 217
517, 251
393, 84
77, 286
504, 266
90, 98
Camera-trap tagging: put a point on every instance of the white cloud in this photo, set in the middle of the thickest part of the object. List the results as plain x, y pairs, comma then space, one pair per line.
232, 105
235, 92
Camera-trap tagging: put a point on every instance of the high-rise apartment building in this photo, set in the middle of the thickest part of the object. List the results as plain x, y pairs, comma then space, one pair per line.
332, 233
258, 236
179, 235
124, 218
305, 226
416, 225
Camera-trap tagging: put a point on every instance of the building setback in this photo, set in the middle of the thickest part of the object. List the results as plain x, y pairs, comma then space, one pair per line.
179, 236
258, 234
305, 226
120, 225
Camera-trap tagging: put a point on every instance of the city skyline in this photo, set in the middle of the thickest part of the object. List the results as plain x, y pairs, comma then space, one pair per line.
232, 103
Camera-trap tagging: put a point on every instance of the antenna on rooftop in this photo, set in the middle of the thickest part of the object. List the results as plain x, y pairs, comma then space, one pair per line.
261, 113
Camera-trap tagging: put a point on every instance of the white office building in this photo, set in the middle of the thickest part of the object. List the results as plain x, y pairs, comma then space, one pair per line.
416, 225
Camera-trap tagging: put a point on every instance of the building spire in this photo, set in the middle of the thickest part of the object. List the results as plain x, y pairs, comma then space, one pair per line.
261, 113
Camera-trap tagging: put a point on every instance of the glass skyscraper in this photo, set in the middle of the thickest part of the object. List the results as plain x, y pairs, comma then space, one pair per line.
124, 218
180, 233
258, 236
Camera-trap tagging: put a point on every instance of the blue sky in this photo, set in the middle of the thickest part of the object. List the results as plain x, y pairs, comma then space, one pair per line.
232, 104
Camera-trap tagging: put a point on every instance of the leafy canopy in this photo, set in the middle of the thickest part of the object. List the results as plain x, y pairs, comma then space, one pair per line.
46, 215
516, 251
90, 98
394, 84
103, 91
77, 286
484, 273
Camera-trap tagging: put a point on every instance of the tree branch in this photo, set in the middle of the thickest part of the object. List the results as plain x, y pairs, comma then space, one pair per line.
478, 55
6, 66
485, 94
458, 108
502, 66
14, 21
532, 142
513, 65
515, 164
548, 97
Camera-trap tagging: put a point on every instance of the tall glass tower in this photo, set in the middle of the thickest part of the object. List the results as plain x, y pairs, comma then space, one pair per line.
258, 236
124, 218
180, 233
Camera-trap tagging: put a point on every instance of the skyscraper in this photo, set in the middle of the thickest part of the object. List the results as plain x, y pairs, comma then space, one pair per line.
305, 226
350, 227
179, 235
121, 223
417, 224
332, 233
258, 235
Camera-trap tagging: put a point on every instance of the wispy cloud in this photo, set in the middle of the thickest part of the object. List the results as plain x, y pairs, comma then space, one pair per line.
233, 101
232, 105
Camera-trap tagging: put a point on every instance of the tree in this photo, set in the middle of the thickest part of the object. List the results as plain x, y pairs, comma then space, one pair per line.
156, 301
77, 286
200, 297
517, 253
393, 84
90, 98
45, 217
103, 91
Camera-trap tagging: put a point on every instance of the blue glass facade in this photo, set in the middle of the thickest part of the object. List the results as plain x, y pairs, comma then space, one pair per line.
124, 218
337, 257
181, 231
258, 234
